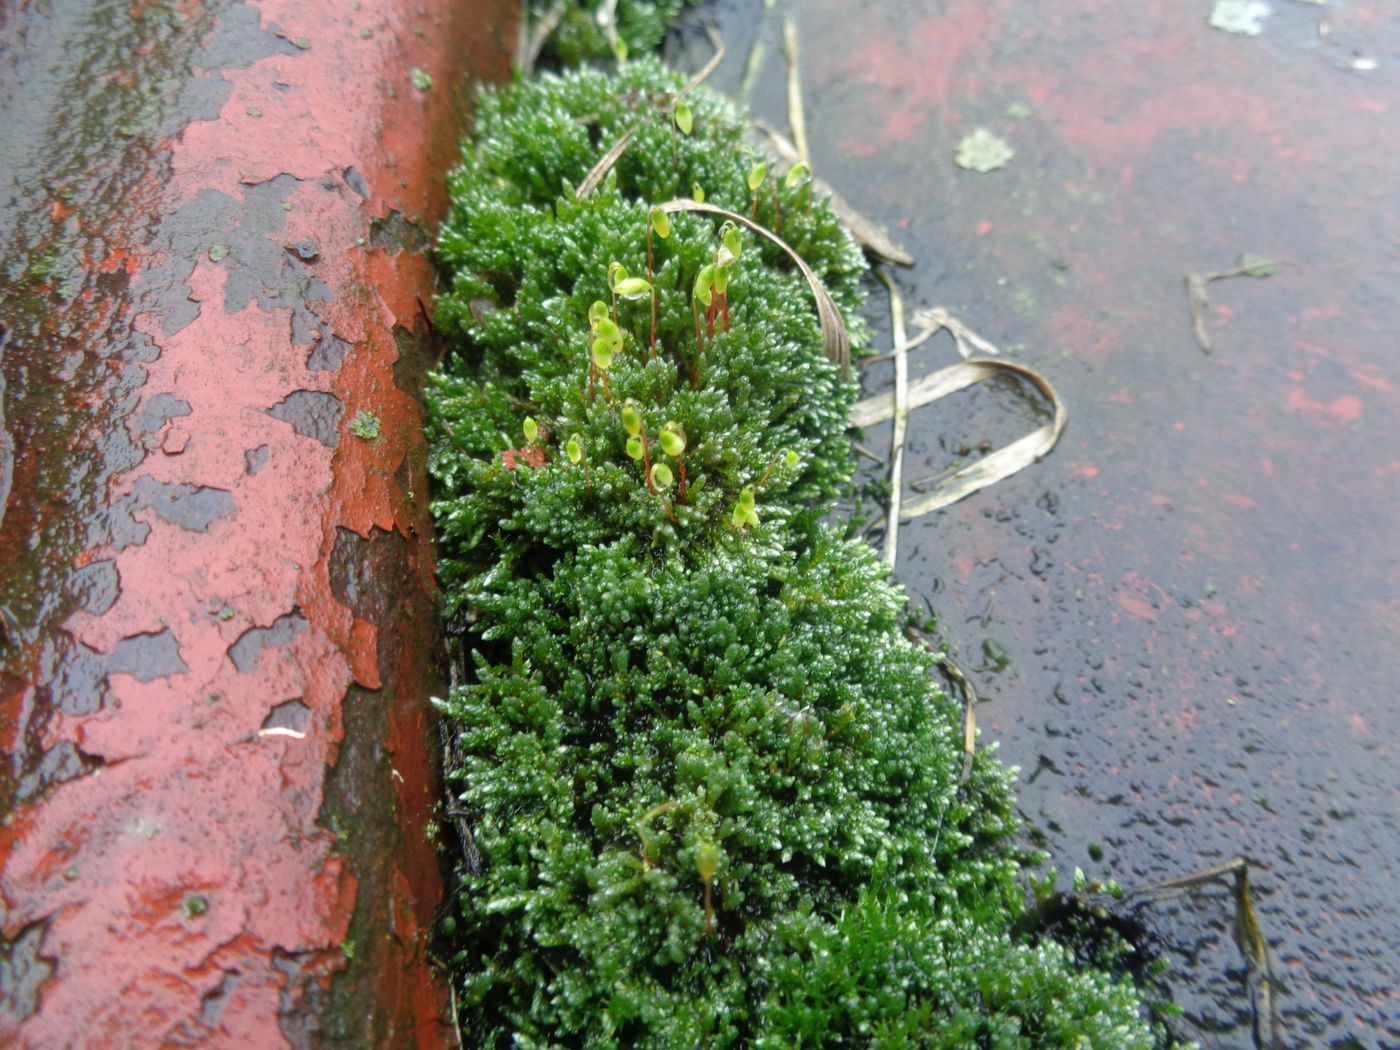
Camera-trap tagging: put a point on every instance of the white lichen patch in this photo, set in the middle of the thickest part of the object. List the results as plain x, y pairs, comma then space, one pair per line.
1245, 17
983, 152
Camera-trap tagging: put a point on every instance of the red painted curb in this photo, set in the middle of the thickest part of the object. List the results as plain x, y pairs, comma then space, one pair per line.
217, 588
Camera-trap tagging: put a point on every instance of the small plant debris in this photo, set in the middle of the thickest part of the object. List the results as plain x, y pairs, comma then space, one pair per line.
1248, 265
983, 152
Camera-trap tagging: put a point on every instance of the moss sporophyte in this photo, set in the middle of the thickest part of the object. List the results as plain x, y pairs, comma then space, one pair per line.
715, 792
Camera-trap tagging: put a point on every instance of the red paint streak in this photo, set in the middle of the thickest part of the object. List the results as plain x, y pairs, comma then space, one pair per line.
1097, 121
1370, 375
1341, 411
1084, 336
193, 802
1138, 607
1321, 313
916, 70
1141, 598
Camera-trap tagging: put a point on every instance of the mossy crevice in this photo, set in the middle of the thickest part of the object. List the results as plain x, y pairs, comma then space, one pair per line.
715, 791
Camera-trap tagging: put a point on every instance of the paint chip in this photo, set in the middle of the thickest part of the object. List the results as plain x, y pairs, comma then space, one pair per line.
283, 631
176, 440
96, 586
147, 657
288, 719
356, 181
256, 458
190, 507
23, 970
312, 414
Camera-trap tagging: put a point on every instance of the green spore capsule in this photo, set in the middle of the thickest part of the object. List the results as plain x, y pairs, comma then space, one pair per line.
672, 439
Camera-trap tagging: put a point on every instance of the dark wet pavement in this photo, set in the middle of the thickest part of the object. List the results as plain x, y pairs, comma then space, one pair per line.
1184, 621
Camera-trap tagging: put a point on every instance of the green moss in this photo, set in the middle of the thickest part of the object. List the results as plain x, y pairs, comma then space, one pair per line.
365, 426
714, 789
641, 25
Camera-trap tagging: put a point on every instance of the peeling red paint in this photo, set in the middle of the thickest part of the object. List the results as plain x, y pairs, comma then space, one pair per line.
531, 456
191, 885
900, 64
1344, 410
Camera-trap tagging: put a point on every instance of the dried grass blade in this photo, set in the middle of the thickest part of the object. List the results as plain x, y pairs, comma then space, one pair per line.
1260, 975
1200, 302
607, 21
961, 685
834, 338
902, 348
797, 121
969, 343
929, 388
531, 41
959, 681
1248, 934
901, 419
1005, 461
756, 55
869, 236
709, 67
1169, 889
1000, 464
601, 169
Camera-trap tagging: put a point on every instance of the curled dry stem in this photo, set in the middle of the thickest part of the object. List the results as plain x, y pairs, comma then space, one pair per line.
834, 337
